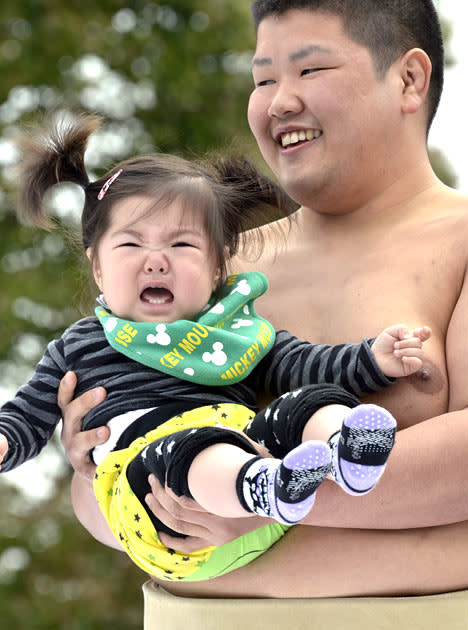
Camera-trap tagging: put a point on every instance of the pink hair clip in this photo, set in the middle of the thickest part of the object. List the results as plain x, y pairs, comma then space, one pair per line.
107, 185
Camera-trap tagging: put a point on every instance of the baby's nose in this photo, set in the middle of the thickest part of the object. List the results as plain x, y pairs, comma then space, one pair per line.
156, 262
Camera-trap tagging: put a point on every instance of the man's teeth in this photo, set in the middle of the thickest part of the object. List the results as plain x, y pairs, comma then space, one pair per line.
299, 136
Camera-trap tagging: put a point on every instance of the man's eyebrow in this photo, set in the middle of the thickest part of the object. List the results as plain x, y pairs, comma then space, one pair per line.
262, 61
294, 56
308, 50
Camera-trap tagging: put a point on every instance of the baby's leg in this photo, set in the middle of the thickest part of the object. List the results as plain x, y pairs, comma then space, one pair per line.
317, 412
169, 459
227, 481
215, 467
280, 426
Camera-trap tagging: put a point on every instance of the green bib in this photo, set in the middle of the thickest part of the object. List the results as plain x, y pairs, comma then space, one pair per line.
222, 345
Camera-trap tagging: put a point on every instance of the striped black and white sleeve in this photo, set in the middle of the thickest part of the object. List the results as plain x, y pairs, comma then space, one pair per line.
293, 363
29, 419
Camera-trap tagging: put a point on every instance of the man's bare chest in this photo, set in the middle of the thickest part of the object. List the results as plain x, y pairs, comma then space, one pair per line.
331, 296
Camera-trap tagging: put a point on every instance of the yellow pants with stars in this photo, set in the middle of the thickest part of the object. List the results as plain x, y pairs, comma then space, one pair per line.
133, 528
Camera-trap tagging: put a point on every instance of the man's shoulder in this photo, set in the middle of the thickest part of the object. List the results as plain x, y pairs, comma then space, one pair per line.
445, 217
451, 203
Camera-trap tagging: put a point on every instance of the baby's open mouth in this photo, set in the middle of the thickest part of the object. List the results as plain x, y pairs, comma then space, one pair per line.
157, 295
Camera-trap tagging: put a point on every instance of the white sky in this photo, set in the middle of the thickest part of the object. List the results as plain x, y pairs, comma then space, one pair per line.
448, 131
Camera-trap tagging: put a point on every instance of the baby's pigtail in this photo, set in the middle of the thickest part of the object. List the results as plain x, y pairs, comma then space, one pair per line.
51, 155
255, 198
251, 200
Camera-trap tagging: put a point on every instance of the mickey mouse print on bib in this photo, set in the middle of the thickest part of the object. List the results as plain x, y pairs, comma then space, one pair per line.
222, 345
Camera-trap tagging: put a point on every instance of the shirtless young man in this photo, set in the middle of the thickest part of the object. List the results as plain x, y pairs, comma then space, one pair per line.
378, 238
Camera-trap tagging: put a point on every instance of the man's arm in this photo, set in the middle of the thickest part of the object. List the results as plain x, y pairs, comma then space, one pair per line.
426, 481
88, 512
424, 484
323, 562
77, 443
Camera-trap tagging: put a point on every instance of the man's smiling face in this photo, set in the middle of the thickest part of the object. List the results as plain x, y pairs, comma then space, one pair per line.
318, 107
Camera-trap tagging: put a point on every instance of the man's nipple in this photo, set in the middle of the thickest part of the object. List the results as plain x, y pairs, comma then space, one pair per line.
428, 380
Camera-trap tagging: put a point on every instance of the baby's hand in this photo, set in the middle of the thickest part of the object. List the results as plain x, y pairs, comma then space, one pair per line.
3, 448
398, 350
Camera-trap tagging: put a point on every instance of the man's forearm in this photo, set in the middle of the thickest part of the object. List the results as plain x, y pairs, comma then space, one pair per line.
425, 482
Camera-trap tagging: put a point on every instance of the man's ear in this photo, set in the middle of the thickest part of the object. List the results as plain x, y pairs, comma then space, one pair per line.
94, 266
415, 69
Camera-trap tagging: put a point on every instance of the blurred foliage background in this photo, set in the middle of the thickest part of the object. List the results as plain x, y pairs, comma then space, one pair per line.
171, 77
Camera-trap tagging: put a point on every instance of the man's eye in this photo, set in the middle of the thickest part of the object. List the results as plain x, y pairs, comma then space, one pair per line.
264, 82
311, 70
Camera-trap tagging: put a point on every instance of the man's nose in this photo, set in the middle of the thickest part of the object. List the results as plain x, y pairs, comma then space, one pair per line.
286, 101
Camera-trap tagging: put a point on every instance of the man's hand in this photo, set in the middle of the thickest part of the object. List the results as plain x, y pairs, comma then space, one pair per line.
78, 443
187, 517
3, 448
398, 350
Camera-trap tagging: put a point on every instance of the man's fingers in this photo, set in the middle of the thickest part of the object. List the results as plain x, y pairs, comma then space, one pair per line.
84, 441
181, 514
83, 403
79, 407
185, 545
77, 444
172, 518
71, 429
78, 447
3, 444
3, 448
66, 389
169, 500
74, 410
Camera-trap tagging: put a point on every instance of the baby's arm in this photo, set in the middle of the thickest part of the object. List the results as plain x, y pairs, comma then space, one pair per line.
398, 350
3, 448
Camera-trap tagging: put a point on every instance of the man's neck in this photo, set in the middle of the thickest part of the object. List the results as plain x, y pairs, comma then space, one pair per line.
405, 197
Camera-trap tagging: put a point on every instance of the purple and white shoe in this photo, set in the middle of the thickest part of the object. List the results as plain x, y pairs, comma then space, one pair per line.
361, 449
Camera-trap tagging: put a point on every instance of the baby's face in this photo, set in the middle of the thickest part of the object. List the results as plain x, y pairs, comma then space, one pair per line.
154, 265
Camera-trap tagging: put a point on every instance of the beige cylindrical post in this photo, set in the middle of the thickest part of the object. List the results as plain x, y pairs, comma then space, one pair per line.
164, 611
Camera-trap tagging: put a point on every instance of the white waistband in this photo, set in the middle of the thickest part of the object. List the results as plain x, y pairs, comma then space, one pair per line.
117, 426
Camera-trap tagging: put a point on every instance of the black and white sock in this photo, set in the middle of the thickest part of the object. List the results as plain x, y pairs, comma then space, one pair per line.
284, 489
